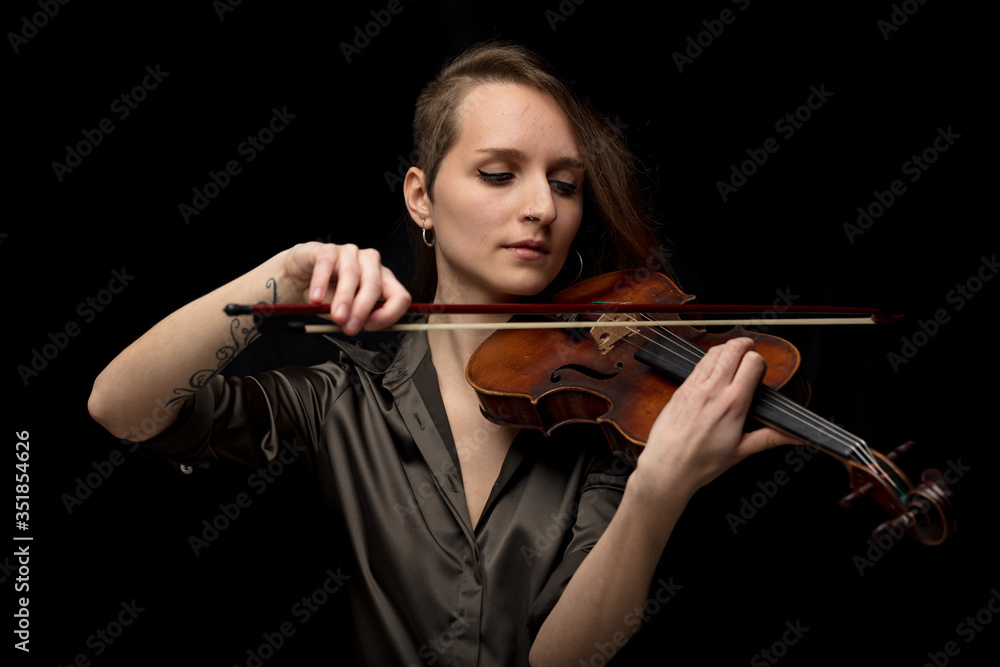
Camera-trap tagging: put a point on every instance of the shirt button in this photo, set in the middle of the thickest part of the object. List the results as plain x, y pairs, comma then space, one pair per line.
186, 469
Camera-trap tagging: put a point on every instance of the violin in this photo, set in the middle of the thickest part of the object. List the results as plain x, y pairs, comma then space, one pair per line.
620, 377
606, 361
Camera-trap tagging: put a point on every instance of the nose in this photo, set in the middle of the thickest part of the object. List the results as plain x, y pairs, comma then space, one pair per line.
540, 205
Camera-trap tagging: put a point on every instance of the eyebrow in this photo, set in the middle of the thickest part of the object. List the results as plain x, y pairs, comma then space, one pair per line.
516, 154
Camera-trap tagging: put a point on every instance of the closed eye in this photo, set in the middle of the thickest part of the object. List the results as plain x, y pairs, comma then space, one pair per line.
563, 187
500, 177
497, 177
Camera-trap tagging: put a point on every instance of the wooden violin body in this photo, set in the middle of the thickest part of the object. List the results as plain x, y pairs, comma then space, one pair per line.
621, 377
591, 376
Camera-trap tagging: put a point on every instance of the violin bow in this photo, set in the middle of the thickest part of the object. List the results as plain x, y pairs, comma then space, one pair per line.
831, 315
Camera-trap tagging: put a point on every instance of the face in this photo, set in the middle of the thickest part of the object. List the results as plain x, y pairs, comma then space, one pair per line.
508, 197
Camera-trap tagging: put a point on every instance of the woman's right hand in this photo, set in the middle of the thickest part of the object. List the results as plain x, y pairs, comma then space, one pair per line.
351, 279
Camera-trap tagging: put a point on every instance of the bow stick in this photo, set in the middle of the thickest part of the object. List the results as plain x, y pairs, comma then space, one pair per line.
840, 315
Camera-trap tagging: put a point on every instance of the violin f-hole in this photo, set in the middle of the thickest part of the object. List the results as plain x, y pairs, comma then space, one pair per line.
584, 370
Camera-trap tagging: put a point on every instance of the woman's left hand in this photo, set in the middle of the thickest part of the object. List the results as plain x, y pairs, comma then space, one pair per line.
699, 433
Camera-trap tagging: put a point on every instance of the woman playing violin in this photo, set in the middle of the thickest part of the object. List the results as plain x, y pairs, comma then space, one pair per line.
511, 545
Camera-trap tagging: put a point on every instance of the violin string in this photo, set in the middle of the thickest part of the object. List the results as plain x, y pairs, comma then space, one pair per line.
690, 353
786, 406
780, 403
790, 408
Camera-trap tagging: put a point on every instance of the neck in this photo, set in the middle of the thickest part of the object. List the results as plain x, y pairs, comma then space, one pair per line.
453, 348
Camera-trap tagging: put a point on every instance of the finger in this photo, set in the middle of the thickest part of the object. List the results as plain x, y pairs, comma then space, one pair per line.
733, 373
347, 273
749, 373
369, 290
396, 301
763, 438
720, 363
324, 262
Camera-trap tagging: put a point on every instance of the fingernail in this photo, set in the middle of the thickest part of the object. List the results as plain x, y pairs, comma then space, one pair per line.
317, 294
341, 311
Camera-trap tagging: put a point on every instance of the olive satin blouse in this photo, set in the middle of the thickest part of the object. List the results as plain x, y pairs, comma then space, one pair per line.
425, 586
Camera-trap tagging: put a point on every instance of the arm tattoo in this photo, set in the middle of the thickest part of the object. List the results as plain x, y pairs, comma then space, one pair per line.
240, 336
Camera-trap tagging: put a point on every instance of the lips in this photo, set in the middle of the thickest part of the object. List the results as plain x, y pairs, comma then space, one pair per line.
529, 245
528, 249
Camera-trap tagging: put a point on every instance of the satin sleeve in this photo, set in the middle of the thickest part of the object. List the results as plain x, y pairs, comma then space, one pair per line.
599, 498
248, 420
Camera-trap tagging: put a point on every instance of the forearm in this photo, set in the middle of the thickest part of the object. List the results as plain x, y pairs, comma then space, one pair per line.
599, 606
137, 395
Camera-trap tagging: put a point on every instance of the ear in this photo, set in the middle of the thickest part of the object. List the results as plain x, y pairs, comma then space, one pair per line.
417, 197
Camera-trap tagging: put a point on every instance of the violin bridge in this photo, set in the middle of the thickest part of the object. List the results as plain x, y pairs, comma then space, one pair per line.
607, 337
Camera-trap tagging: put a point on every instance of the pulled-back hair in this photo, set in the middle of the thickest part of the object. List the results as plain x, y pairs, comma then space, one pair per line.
616, 233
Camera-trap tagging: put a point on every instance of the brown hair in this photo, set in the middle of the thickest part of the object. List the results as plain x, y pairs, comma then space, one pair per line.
616, 233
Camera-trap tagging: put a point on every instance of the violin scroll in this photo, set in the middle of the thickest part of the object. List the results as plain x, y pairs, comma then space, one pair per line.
923, 512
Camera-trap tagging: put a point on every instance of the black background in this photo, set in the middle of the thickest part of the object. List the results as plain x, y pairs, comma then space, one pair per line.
328, 176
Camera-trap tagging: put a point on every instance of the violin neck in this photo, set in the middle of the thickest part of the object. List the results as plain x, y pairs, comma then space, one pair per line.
776, 410
769, 406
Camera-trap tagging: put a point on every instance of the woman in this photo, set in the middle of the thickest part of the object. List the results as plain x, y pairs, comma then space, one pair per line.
473, 544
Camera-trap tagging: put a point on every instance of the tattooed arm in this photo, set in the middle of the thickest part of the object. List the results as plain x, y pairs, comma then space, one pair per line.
137, 395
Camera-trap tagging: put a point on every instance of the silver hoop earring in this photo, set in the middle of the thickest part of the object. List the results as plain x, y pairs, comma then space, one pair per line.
579, 272
429, 244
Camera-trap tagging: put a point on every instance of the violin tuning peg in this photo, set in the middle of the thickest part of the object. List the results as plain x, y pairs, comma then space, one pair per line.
902, 449
894, 527
933, 477
933, 482
860, 492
